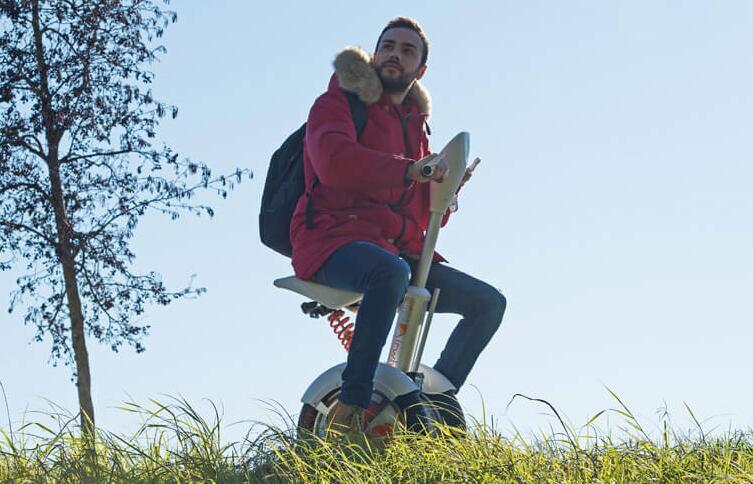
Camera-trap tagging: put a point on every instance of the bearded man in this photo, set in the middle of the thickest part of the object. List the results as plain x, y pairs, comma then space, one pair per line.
362, 219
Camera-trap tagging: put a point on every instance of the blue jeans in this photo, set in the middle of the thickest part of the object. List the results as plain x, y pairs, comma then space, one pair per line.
383, 278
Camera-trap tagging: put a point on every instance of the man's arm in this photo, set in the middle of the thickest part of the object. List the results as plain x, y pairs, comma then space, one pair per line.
337, 157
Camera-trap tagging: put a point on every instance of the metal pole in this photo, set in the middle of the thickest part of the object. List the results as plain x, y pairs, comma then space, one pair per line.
425, 332
427, 254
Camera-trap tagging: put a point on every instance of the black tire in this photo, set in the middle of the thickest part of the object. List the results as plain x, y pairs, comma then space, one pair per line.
306, 421
419, 413
448, 411
415, 410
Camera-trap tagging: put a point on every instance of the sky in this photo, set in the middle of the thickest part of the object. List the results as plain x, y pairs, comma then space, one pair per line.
612, 208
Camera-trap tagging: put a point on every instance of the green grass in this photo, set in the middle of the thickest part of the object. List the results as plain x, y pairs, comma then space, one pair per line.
176, 444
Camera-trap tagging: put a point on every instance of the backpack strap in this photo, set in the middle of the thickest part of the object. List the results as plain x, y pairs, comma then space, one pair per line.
360, 114
358, 111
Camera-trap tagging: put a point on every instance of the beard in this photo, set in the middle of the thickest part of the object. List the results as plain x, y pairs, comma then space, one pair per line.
399, 83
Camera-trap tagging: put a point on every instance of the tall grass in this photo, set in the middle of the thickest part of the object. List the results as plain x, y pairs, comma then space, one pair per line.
175, 443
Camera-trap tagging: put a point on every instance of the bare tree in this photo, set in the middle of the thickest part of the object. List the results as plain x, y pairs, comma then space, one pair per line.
79, 167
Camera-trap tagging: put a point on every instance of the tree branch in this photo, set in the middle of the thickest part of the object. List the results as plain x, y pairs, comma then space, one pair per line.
33, 186
61, 302
148, 202
69, 159
17, 226
46, 100
95, 296
39, 152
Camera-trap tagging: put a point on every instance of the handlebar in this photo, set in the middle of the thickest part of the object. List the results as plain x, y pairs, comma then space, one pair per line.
427, 170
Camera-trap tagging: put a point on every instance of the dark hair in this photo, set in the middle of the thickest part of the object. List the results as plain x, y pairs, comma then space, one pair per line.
407, 23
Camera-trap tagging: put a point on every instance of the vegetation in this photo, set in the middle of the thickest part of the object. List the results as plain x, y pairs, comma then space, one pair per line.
177, 444
80, 166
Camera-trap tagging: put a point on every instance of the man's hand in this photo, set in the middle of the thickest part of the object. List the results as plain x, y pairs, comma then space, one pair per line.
416, 170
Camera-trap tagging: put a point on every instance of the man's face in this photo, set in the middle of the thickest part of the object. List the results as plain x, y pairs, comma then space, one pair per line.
398, 59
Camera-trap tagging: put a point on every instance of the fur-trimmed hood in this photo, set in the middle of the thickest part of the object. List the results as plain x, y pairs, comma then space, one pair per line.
356, 74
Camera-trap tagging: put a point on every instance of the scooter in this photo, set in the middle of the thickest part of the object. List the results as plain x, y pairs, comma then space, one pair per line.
406, 392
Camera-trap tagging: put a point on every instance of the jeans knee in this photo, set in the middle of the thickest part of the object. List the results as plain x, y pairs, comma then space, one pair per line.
394, 275
495, 304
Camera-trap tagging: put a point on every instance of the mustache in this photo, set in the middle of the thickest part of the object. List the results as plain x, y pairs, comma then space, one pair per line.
392, 63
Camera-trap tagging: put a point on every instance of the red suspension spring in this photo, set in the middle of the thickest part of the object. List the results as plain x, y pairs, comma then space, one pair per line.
342, 327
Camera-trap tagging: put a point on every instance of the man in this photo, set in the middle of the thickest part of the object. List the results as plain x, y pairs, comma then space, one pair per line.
367, 204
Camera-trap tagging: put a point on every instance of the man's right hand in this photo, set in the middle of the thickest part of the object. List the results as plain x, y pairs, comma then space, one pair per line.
440, 168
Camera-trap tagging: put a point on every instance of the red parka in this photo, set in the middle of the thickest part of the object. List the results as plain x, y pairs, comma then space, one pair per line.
361, 192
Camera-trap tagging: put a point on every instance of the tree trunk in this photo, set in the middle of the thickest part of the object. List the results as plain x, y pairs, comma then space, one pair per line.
64, 247
65, 255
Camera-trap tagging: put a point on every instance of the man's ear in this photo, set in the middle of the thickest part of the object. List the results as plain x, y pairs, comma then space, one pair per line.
421, 71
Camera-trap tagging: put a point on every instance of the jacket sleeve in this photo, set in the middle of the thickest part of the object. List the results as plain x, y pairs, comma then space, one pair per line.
423, 221
337, 157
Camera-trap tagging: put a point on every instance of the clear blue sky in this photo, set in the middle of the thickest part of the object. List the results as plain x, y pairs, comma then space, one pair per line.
612, 208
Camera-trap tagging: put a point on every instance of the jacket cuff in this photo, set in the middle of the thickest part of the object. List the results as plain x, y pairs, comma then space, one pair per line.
407, 181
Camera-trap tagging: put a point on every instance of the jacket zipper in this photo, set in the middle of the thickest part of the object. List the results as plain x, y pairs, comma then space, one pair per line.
406, 142
408, 152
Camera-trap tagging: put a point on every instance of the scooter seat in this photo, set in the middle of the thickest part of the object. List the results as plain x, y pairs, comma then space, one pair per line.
328, 296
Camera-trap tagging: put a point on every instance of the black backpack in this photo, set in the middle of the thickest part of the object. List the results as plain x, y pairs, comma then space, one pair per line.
285, 184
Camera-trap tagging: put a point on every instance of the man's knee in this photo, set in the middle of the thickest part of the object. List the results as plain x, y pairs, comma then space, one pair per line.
500, 304
394, 273
494, 304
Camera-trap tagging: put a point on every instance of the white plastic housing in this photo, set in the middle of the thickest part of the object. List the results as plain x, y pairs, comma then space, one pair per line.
456, 157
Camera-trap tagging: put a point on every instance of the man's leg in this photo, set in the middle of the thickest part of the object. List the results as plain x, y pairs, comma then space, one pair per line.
383, 278
481, 307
